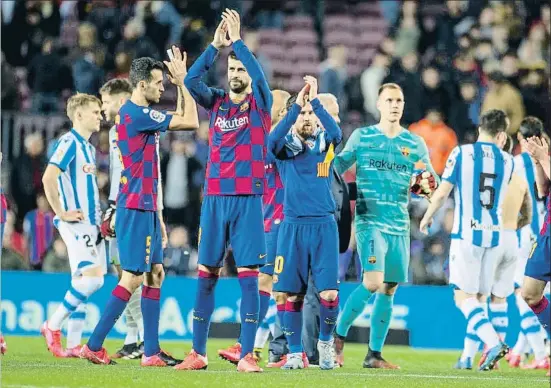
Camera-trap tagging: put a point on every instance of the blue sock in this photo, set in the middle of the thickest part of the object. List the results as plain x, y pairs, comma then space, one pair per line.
542, 309
293, 326
354, 306
264, 304
204, 306
113, 310
380, 321
281, 316
151, 311
248, 280
329, 310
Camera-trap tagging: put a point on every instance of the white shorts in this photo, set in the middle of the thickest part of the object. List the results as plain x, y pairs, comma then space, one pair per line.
83, 252
477, 270
528, 241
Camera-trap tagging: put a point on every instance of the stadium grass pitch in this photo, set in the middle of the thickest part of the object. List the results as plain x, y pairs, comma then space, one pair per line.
28, 364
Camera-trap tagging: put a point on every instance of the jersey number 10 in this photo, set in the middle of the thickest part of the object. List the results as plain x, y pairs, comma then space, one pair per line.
485, 185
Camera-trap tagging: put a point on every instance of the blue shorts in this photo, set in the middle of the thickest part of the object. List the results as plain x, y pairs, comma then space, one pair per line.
271, 247
235, 220
304, 246
539, 264
139, 239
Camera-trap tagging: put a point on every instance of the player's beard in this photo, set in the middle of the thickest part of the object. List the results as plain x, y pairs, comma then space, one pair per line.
240, 88
306, 131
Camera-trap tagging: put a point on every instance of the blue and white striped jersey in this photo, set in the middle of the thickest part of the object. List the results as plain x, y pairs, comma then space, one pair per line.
524, 167
480, 173
78, 187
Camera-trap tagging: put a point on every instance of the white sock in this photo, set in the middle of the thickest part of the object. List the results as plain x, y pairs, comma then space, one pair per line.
522, 341
262, 335
131, 335
473, 311
81, 288
500, 320
471, 343
530, 326
134, 308
75, 325
266, 327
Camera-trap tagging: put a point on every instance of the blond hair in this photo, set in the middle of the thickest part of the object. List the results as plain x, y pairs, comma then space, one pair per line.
390, 85
80, 100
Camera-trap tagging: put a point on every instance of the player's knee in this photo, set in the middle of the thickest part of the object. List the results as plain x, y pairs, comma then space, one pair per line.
280, 297
530, 295
371, 285
265, 282
156, 276
210, 270
131, 280
329, 295
388, 288
293, 298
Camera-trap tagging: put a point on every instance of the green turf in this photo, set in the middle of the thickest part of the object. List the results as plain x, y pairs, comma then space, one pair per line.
28, 364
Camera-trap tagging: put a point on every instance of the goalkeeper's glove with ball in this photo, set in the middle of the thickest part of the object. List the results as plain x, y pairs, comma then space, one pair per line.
108, 223
424, 184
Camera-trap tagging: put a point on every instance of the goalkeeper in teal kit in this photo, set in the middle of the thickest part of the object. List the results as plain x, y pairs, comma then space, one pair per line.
386, 155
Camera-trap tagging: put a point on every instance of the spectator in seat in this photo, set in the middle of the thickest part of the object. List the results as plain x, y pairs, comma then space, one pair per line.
179, 168
535, 93
251, 41
57, 259
26, 176
465, 112
13, 247
405, 74
164, 14
45, 75
135, 42
502, 95
484, 51
10, 100
372, 78
333, 74
180, 257
440, 138
38, 229
88, 76
87, 42
500, 40
535, 47
445, 34
465, 67
409, 29
434, 95
510, 68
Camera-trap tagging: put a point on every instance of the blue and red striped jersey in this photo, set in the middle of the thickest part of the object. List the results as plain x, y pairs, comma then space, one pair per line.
38, 227
4, 207
237, 131
273, 196
138, 130
547, 222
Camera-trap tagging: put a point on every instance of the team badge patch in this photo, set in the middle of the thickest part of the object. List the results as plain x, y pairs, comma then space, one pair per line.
244, 107
405, 151
157, 116
372, 260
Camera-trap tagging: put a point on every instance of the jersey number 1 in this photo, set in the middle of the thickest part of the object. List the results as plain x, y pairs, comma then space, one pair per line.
484, 186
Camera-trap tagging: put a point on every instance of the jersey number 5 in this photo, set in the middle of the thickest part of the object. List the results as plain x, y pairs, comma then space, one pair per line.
485, 185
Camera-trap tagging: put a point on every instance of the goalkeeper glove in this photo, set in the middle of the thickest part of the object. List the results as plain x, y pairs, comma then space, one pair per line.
108, 223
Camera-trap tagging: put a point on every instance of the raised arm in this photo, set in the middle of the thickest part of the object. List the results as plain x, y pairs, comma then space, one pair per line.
539, 151
115, 166
261, 89
204, 95
277, 140
333, 133
347, 157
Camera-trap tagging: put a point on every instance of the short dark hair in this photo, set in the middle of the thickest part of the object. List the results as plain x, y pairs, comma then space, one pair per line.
290, 101
233, 55
531, 126
509, 144
493, 122
116, 86
141, 69
389, 85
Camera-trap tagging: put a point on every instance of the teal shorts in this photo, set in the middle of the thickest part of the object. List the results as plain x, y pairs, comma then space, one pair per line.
383, 252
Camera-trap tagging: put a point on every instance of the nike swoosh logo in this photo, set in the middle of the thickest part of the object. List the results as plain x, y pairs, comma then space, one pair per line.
262, 256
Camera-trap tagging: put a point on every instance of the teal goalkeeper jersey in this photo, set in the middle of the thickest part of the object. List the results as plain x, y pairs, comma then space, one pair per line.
384, 167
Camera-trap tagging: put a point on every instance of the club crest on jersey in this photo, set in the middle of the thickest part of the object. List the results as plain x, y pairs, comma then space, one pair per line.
157, 116
244, 107
372, 259
89, 168
405, 151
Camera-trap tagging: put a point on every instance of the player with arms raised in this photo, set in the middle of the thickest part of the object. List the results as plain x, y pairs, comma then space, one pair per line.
524, 179
232, 205
71, 188
114, 94
385, 154
480, 172
138, 226
538, 268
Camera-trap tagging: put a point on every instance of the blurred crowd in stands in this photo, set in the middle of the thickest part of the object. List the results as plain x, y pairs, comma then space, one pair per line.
454, 60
